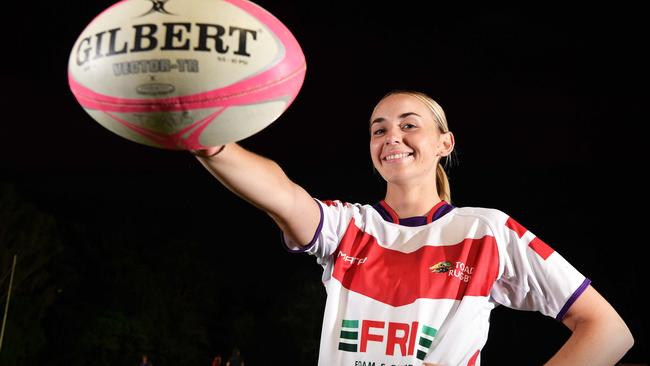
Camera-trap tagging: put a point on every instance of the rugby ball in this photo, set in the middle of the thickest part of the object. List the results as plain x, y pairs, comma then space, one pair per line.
185, 74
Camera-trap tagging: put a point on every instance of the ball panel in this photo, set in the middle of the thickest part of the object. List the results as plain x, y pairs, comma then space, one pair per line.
230, 126
122, 128
265, 86
217, 127
169, 130
176, 129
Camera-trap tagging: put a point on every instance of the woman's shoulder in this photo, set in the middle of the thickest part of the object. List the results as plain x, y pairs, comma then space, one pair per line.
493, 215
341, 204
479, 211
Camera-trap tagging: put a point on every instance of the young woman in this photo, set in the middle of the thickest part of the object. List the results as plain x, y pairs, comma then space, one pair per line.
412, 279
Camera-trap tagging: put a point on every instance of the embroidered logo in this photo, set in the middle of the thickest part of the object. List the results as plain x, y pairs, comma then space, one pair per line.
462, 272
352, 260
441, 267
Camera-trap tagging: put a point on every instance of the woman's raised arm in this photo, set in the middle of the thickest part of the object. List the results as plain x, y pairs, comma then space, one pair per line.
262, 182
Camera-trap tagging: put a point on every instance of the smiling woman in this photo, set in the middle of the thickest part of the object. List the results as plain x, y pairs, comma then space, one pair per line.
412, 279
420, 134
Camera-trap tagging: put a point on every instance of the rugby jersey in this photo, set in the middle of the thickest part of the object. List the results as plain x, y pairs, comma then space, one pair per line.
408, 291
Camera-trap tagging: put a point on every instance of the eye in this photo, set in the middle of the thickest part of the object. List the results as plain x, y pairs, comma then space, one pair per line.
378, 132
408, 126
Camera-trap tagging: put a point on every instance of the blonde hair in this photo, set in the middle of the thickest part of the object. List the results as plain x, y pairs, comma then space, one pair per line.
442, 181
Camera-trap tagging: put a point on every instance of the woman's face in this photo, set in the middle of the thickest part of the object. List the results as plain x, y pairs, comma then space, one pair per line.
405, 142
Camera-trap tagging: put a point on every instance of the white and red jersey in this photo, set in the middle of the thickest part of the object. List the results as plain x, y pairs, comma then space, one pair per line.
404, 292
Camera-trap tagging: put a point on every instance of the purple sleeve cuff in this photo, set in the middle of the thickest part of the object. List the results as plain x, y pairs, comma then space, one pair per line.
308, 246
573, 299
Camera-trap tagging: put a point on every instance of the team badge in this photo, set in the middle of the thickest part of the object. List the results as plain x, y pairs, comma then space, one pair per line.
441, 267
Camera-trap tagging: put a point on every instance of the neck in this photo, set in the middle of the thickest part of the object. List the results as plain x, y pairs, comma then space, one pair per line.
409, 201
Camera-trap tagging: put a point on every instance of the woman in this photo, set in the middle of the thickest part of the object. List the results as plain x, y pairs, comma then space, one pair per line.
412, 279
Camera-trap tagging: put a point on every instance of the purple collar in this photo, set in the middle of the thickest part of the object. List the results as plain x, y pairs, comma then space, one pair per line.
388, 214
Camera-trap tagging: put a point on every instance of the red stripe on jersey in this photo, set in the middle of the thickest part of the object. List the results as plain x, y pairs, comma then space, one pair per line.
391, 212
541, 248
472, 361
433, 211
335, 203
397, 278
516, 227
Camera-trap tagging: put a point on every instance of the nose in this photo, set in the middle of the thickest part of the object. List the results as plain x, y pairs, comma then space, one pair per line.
392, 139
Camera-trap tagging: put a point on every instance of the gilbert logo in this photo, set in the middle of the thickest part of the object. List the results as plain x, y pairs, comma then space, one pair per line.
158, 6
168, 36
400, 339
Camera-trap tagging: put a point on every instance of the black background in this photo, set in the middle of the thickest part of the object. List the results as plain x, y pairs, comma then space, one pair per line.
547, 105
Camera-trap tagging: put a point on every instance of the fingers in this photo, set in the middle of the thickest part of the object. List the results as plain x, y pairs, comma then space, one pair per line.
208, 152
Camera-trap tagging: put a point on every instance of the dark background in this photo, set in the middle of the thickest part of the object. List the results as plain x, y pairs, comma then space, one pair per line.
125, 249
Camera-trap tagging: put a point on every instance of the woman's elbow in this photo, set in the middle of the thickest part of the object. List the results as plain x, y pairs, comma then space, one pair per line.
620, 335
627, 338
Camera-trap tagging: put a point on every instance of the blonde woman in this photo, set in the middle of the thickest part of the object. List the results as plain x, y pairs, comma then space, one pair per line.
411, 279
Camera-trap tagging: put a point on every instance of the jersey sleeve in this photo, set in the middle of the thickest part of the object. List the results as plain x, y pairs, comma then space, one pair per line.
334, 220
533, 276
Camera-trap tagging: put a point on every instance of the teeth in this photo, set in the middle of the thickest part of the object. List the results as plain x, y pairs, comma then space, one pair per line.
396, 156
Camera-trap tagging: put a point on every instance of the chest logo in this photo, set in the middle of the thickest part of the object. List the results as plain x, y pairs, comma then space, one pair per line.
441, 267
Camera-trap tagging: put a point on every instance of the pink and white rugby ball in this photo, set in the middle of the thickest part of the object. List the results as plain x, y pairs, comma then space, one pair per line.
185, 74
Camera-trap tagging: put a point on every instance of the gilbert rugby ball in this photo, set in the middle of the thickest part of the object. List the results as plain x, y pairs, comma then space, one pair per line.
185, 74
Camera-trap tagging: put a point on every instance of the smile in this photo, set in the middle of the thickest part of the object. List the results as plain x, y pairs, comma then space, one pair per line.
393, 157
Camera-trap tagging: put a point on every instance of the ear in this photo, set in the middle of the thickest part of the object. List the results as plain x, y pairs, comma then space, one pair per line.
445, 144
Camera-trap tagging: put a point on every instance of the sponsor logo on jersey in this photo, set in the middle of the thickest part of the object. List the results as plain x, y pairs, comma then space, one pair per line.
399, 339
441, 267
459, 270
462, 272
352, 260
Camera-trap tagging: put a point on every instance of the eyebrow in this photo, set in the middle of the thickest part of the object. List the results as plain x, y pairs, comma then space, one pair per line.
401, 116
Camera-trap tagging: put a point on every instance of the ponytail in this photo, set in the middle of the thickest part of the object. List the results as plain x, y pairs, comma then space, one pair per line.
442, 184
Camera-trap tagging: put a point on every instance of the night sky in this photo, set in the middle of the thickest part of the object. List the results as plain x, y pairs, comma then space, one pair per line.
127, 249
